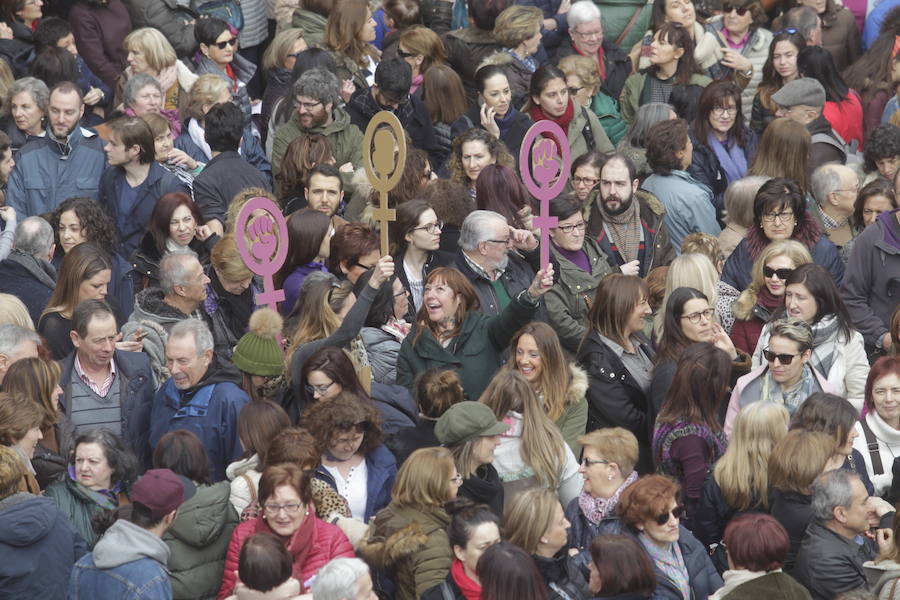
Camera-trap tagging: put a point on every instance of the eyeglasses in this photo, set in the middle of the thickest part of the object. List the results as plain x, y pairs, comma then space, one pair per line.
586, 462
306, 105
741, 11
788, 30
588, 181
721, 111
405, 292
318, 389
571, 228
703, 314
784, 216
784, 359
504, 242
783, 274
676, 512
435, 227
575, 90
457, 479
291, 508
403, 54
586, 35
222, 45
366, 267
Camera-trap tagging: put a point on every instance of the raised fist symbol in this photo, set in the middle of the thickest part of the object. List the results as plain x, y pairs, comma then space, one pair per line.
546, 162
262, 235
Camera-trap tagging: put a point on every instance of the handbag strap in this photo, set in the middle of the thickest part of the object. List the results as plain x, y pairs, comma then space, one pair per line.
872, 445
250, 486
893, 589
631, 22
447, 593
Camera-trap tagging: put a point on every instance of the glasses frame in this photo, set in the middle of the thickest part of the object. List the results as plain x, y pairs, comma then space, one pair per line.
728, 7
570, 229
783, 274
775, 217
695, 318
586, 462
320, 389
432, 228
289, 509
221, 45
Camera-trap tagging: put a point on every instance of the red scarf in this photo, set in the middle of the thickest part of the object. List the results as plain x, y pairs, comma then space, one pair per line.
538, 115
600, 62
470, 589
298, 545
231, 75
765, 299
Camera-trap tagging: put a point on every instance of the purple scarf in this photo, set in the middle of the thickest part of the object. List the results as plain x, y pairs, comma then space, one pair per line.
891, 228
597, 509
731, 158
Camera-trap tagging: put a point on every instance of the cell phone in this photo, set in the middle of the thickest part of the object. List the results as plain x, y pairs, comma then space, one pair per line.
139, 336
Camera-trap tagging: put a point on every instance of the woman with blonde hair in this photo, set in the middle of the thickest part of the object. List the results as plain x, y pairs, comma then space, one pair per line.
278, 63
783, 151
421, 48
518, 32
560, 385
739, 481
535, 521
409, 536
758, 303
230, 293
693, 270
348, 35
532, 451
14, 312
585, 86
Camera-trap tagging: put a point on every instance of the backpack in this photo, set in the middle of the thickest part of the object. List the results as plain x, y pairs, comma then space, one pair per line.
852, 156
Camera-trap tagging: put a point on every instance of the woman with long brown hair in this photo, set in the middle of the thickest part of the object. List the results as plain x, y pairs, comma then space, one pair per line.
780, 68
783, 151
348, 35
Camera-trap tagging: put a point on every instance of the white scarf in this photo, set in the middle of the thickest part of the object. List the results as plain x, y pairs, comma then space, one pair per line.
198, 137
735, 578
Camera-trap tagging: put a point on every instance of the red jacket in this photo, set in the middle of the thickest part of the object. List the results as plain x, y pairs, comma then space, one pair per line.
328, 542
745, 334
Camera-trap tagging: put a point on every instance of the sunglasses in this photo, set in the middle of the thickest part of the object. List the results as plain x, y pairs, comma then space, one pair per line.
741, 11
222, 45
403, 54
783, 274
784, 359
676, 512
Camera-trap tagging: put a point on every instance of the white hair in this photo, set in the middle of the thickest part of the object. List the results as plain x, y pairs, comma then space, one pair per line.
476, 228
339, 579
581, 12
197, 329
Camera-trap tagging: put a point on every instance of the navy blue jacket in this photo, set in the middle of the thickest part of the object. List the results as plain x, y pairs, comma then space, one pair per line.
135, 379
381, 469
209, 409
38, 546
251, 150
739, 266
397, 408
29, 279
47, 173
131, 222
704, 579
582, 532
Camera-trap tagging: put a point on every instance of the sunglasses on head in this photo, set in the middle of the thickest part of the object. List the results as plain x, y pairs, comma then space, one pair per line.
676, 512
222, 45
784, 359
783, 274
741, 11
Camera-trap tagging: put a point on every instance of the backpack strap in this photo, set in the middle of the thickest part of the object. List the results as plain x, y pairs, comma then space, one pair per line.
447, 593
250, 486
587, 132
872, 445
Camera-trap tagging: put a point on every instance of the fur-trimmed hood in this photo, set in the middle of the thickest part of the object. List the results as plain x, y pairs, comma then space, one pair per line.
150, 305
498, 59
578, 385
807, 232
397, 533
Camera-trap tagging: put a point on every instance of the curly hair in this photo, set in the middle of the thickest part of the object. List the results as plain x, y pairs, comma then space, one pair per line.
96, 225
495, 147
450, 201
883, 142
346, 412
664, 141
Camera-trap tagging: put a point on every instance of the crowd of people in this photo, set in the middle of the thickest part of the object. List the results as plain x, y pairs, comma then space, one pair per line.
697, 397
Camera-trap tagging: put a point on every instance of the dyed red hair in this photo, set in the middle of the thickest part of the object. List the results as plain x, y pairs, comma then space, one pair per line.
886, 365
756, 542
646, 499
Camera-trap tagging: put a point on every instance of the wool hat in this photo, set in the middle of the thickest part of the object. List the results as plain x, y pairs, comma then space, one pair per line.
162, 491
465, 421
806, 91
259, 352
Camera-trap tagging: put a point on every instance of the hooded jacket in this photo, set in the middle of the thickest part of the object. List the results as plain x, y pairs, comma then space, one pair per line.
344, 137
39, 547
209, 409
198, 541
466, 49
29, 279
313, 25
127, 562
48, 172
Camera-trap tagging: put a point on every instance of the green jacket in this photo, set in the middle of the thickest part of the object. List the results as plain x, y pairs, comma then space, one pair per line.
344, 137
577, 133
630, 100
78, 506
312, 24
412, 545
474, 354
607, 111
198, 541
567, 301
617, 14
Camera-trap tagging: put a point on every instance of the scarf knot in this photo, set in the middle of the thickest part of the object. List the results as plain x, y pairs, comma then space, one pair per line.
597, 509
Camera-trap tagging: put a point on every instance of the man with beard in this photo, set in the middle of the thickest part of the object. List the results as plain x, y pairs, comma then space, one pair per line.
66, 163
316, 98
627, 222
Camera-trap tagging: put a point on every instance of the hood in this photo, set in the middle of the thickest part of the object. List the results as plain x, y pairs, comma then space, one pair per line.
239, 467
498, 59
807, 232
216, 373
149, 304
289, 590
25, 519
37, 268
399, 532
125, 542
202, 518
340, 122
819, 125
578, 385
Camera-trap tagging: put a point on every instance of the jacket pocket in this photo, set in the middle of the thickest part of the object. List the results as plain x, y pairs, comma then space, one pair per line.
35, 184
87, 184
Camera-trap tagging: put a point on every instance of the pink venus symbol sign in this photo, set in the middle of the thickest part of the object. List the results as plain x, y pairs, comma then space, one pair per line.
262, 240
544, 173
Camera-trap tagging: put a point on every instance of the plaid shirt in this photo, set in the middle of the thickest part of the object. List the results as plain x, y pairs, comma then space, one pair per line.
103, 388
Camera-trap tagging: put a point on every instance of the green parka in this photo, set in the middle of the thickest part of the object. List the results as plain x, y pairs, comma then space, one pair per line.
344, 137
78, 506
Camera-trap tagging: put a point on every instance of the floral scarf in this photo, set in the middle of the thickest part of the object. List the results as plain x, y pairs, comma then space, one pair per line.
597, 509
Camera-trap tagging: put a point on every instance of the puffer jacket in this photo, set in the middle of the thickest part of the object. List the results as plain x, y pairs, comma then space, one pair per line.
78, 506
410, 544
568, 299
198, 540
171, 18
466, 49
583, 531
344, 137
382, 349
756, 50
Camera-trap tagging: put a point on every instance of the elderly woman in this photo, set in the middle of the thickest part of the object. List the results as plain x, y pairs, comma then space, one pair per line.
409, 537
878, 438
535, 521
779, 213
738, 204
607, 466
285, 497
471, 432
26, 108
450, 331
230, 293
143, 95
650, 509
219, 56
584, 81
473, 151
21, 421
347, 429
518, 30
341, 578
99, 478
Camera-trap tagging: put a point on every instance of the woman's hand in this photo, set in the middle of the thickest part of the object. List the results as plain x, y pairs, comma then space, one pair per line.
181, 159
735, 60
347, 90
723, 342
488, 122
6, 32
542, 282
94, 96
203, 232
382, 271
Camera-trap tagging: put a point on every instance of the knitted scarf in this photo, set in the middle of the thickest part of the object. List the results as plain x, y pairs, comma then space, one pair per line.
731, 157
666, 435
537, 114
825, 342
597, 509
769, 302
670, 561
624, 229
470, 589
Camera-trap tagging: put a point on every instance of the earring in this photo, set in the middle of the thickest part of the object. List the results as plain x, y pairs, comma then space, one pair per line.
610, 477
543, 540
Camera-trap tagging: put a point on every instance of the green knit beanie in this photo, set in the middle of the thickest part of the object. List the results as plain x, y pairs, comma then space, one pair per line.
259, 351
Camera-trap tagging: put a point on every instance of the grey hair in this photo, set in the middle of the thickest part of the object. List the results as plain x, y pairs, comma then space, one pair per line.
739, 200
34, 236
136, 83
319, 84
823, 181
12, 336
195, 328
793, 329
646, 117
803, 18
475, 230
339, 579
34, 86
830, 489
581, 12
173, 270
